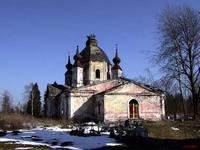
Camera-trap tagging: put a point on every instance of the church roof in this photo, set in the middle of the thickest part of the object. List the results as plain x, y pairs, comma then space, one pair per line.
110, 85
122, 81
92, 52
57, 89
59, 86
100, 88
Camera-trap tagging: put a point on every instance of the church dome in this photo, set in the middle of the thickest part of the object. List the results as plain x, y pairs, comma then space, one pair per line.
92, 52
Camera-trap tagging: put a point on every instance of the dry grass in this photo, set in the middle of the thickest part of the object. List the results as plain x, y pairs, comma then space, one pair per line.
16, 121
162, 129
21, 121
12, 146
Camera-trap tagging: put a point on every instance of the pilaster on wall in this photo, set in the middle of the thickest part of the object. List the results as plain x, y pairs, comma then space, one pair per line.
163, 105
69, 108
77, 76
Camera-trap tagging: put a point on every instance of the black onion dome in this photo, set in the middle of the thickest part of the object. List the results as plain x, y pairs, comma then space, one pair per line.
116, 59
77, 59
77, 56
69, 65
92, 52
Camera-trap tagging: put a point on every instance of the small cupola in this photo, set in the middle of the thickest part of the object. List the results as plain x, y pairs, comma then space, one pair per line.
116, 69
91, 41
116, 61
69, 65
77, 59
68, 73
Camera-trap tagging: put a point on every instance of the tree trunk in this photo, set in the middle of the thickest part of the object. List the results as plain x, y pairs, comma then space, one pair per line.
195, 103
174, 109
194, 111
180, 87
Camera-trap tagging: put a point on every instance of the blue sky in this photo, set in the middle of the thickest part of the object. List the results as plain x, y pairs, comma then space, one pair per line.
35, 36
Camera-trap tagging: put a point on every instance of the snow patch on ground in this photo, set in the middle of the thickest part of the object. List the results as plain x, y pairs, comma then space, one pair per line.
22, 148
28, 132
56, 137
58, 129
7, 140
113, 144
105, 133
68, 147
175, 129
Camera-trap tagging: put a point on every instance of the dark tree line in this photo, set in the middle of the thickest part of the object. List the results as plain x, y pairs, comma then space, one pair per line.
46, 94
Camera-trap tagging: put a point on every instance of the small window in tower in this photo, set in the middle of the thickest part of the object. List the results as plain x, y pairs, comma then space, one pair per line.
98, 73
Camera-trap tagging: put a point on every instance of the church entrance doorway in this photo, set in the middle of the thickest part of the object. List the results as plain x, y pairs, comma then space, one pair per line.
133, 109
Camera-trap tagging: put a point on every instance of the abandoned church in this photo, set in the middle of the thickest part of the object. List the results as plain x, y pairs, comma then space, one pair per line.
96, 89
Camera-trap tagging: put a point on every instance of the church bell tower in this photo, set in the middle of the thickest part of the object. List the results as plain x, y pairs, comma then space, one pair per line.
116, 69
68, 73
77, 70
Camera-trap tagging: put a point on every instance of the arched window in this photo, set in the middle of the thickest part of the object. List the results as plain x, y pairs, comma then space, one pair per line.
98, 73
133, 109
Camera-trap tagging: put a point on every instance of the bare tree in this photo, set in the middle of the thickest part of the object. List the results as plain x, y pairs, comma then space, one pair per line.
179, 53
172, 99
146, 78
6, 102
34, 103
26, 96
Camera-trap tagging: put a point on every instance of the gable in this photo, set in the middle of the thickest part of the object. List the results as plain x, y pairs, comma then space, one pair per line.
53, 91
131, 88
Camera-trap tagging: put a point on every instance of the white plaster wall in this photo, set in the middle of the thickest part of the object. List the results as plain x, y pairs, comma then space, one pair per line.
81, 104
115, 107
93, 66
116, 103
77, 76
